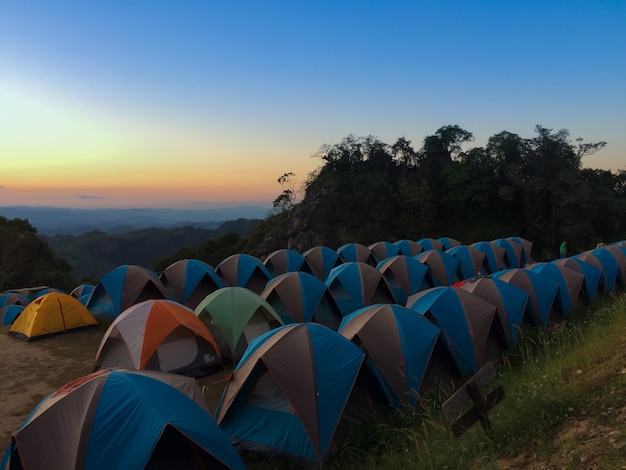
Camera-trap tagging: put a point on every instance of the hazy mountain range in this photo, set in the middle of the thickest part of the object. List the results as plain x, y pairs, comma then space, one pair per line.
62, 221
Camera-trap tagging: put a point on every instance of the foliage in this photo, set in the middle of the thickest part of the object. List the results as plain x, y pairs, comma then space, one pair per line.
27, 261
535, 188
287, 199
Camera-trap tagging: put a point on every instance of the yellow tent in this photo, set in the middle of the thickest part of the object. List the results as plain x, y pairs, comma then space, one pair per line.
51, 314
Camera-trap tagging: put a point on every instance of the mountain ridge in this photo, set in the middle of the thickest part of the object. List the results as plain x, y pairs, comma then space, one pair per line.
53, 221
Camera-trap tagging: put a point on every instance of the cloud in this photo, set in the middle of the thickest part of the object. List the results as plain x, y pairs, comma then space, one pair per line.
2, 187
88, 196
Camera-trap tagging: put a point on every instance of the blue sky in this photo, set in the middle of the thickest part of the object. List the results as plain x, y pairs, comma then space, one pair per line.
202, 103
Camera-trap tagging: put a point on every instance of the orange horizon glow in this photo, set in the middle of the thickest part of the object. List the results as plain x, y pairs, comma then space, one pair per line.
147, 188
130, 197
57, 153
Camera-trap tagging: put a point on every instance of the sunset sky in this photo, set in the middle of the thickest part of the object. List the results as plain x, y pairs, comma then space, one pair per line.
201, 104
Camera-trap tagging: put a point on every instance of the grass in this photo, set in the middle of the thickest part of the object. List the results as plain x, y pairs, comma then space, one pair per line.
564, 407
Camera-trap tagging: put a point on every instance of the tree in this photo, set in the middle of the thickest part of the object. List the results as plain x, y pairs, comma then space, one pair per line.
471, 189
552, 167
27, 261
439, 150
451, 138
287, 199
419, 209
378, 157
588, 148
14, 259
506, 151
404, 155
604, 203
343, 156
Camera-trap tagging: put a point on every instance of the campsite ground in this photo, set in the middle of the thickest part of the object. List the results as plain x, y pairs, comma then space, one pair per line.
30, 371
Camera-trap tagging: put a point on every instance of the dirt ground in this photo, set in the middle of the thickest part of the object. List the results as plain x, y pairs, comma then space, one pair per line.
30, 371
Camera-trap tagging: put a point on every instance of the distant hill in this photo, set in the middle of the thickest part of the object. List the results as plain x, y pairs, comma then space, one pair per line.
95, 253
52, 221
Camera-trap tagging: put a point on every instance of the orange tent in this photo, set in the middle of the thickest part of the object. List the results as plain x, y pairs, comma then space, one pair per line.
161, 335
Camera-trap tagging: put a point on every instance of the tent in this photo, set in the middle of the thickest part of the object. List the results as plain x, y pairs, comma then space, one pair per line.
241, 270
398, 342
606, 265
404, 275
122, 419
527, 249
9, 313
611, 266
383, 250
160, 335
322, 260
430, 244
442, 266
448, 243
355, 285
465, 321
49, 315
470, 260
30, 292
356, 253
494, 256
122, 287
48, 290
286, 260
13, 298
408, 247
189, 281
512, 252
591, 273
82, 290
235, 316
300, 297
569, 281
298, 391
510, 303
541, 292
619, 254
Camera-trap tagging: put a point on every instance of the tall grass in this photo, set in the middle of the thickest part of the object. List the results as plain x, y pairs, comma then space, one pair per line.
561, 386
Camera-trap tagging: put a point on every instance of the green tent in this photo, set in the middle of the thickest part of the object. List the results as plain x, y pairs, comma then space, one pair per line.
235, 316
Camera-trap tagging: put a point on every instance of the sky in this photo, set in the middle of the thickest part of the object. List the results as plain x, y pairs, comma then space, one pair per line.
203, 104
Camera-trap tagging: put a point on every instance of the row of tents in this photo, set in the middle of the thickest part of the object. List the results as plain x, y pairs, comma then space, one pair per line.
190, 281
313, 357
